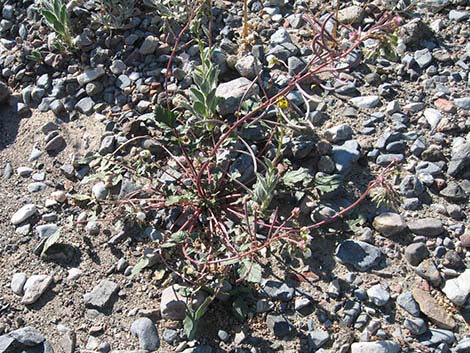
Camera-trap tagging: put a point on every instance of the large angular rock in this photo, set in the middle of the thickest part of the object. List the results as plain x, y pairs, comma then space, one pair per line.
458, 289
389, 223
431, 308
232, 93
359, 254
102, 296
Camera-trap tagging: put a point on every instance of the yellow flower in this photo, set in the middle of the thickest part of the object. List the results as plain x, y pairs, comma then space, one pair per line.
283, 103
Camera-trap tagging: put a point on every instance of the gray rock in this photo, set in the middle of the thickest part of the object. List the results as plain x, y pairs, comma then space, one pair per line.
317, 338
428, 168
463, 103
423, 58
351, 15
123, 81
427, 269
34, 287
24, 171
430, 227
458, 15
7, 171
46, 230
411, 186
149, 45
102, 296
365, 101
378, 294
279, 325
453, 192
435, 336
147, 333
458, 289
386, 159
263, 306
68, 342
223, 335
117, 67
281, 36
90, 75
248, 66
35, 154
99, 191
389, 224
463, 346
85, 105
295, 65
232, 92
36, 187
170, 336
108, 144
359, 254
339, 133
407, 302
27, 337
345, 155
375, 347
415, 253
23, 214
278, 290
18, 281
433, 117
416, 326
460, 160
56, 144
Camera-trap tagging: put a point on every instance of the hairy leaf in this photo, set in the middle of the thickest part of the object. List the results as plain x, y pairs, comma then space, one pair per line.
328, 183
251, 271
292, 177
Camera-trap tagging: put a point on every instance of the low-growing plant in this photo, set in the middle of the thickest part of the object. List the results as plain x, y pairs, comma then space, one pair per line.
218, 199
57, 18
115, 14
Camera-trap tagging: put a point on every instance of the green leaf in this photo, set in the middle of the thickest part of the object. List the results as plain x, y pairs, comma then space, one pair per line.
191, 320
53, 238
197, 95
165, 116
50, 18
148, 260
328, 183
355, 223
251, 271
200, 109
294, 176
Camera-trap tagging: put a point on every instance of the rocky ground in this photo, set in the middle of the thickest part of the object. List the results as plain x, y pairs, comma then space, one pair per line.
398, 280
